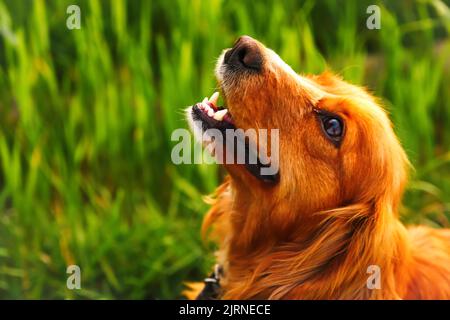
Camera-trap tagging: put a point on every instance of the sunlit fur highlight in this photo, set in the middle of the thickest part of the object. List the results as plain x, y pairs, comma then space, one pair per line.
335, 210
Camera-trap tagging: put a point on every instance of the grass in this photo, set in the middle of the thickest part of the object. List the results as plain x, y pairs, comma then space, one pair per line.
86, 117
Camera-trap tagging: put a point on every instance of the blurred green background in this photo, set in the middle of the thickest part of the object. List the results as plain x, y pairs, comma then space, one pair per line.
86, 117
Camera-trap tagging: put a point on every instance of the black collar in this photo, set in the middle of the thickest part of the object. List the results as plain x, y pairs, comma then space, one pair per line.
211, 290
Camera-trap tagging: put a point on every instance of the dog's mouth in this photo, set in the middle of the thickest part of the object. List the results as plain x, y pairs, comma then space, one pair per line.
211, 116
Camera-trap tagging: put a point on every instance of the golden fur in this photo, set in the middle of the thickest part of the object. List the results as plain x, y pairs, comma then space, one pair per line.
334, 211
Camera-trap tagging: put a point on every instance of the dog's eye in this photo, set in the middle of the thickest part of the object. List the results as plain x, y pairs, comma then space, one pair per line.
333, 127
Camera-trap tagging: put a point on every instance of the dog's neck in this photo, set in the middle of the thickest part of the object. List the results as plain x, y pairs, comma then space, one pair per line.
326, 255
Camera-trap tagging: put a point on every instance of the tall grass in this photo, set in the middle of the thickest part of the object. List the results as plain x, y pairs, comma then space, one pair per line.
86, 117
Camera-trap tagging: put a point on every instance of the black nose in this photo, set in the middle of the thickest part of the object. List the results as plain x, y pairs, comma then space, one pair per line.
246, 53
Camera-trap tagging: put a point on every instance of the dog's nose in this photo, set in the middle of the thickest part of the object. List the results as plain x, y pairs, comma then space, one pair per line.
245, 53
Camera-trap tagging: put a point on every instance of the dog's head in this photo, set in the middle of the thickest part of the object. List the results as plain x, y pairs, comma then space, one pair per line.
336, 144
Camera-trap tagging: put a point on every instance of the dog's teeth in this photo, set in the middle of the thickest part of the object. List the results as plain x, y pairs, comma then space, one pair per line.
214, 98
210, 112
205, 100
220, 114
205, 106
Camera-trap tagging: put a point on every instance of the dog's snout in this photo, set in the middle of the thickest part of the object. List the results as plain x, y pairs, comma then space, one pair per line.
245, 53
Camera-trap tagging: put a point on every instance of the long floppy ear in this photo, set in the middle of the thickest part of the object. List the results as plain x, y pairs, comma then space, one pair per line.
378, 239
349, 240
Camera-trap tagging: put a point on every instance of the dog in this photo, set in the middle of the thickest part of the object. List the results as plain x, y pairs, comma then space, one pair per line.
326, 226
